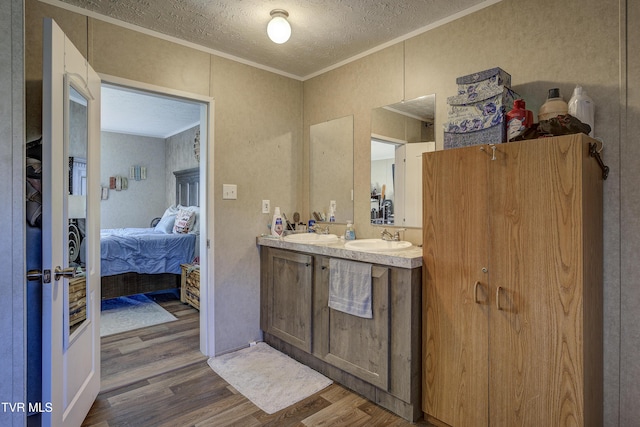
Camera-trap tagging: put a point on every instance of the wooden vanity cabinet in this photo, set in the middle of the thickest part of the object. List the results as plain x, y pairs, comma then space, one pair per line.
378, 357
512, 311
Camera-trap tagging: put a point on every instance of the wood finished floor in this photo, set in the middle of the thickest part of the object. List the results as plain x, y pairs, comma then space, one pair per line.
156, 376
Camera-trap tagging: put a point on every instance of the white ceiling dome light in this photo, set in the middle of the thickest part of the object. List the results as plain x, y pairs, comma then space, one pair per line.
278, 28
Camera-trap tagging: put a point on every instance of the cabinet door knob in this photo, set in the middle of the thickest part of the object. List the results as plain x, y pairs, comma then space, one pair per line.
498, 289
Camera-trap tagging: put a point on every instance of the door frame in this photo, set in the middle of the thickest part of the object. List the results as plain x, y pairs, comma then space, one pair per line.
207, 283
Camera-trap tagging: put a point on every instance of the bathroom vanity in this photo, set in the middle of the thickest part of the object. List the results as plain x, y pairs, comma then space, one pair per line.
379, 357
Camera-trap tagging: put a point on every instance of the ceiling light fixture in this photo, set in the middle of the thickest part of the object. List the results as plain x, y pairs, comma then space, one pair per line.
278, 28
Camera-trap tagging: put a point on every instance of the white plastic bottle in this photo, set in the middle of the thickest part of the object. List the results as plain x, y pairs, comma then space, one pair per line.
581, 107
277, 228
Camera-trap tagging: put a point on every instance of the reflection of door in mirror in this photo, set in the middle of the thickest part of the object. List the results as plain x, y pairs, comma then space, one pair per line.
331, 168
400, 133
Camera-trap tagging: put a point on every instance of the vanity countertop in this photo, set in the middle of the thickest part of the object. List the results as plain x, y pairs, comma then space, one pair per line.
406, 258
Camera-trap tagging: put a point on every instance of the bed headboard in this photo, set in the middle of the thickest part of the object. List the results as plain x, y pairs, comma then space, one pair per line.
188, 187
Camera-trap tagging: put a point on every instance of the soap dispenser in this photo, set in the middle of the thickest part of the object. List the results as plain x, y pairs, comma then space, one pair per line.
350, 232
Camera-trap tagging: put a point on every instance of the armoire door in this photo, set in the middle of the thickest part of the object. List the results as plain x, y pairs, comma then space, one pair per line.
456, 299
536, 281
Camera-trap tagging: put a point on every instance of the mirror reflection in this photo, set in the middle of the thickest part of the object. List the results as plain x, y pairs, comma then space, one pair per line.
331, 169
76, 139
400, 133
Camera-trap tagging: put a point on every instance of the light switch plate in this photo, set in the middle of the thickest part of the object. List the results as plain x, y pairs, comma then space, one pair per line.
229, 191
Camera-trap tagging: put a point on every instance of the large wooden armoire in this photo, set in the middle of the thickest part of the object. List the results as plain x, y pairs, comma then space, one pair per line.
512, 292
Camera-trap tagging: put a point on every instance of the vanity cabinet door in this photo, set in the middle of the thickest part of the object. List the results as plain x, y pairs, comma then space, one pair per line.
354, 344
288, 287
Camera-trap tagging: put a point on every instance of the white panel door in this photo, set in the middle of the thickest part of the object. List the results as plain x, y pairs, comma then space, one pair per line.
71, 305
413, 182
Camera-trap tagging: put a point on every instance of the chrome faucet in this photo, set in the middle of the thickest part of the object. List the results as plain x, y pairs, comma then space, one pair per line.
385, 235
319, 229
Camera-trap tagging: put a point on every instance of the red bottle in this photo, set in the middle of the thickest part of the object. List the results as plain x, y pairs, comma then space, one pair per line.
518, 120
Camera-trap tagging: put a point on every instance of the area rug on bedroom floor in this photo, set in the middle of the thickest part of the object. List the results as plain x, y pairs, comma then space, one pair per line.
127, 313
267, 377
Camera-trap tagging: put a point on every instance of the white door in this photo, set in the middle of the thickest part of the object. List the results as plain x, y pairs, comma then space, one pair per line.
71, 305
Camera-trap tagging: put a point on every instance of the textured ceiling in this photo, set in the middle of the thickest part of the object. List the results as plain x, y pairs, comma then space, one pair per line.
324, 32
145, 114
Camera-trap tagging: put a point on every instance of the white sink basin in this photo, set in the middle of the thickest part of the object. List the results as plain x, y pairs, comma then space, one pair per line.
376, 245
311, 238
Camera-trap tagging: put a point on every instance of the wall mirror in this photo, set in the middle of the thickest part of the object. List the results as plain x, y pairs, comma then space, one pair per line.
76, 143
400, 133
331, 168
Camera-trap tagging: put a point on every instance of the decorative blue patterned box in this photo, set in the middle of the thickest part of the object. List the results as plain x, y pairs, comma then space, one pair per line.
491, 77
477, 113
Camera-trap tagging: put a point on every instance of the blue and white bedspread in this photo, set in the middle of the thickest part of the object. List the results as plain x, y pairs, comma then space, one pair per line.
144, 251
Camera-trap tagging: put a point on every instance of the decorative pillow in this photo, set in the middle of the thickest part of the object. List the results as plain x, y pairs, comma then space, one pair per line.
184, 221
195, 229
166, 224
171, 210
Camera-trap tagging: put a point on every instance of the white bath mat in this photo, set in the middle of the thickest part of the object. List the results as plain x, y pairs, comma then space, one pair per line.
127, 313
267, 377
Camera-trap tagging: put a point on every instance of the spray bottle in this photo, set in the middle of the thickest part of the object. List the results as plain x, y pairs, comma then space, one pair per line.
277, 227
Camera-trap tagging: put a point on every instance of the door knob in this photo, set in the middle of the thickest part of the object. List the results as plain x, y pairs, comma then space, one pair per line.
69, 272
35, 275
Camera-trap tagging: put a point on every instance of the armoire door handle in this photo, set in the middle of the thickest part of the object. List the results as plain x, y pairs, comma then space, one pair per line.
475, 292
498, 289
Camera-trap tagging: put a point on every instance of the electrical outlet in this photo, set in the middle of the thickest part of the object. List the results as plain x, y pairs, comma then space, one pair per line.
266, 206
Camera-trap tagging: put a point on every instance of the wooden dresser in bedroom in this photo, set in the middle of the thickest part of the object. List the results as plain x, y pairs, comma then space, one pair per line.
190, 285
77, 301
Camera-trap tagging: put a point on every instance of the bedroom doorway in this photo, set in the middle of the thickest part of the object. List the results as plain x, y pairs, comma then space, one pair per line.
152, 137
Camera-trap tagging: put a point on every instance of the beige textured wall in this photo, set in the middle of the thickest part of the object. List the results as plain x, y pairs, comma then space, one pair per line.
257, 133
542, 44
74, 26
629, 368
258, 118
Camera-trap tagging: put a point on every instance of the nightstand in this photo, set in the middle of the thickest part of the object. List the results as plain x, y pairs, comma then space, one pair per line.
190, 285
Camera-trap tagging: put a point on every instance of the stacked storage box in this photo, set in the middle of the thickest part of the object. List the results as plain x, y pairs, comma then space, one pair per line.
477, 113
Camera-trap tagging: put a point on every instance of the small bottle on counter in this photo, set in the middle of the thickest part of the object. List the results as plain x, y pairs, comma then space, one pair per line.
350, 232
554, 106
519, 119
